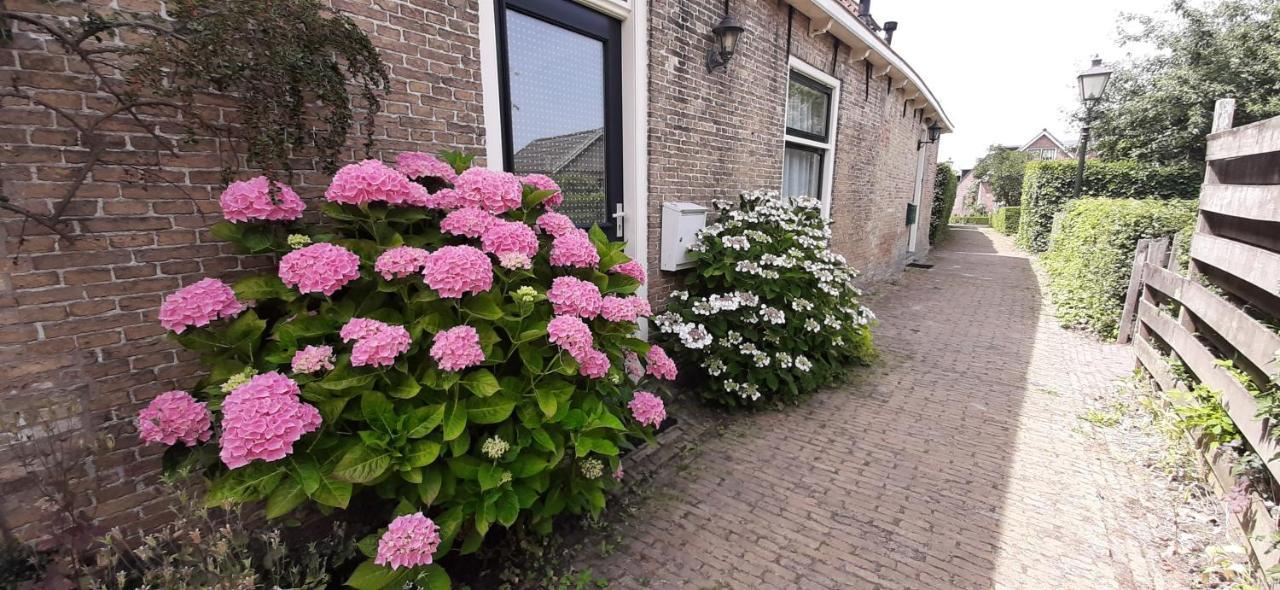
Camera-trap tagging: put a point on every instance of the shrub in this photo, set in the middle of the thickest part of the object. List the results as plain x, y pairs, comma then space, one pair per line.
1048, 185
769, 313
944, 198
390, 354
971, 219
1092, 255
1005, 220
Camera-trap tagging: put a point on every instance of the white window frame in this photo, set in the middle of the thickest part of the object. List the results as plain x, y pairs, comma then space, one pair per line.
833, 125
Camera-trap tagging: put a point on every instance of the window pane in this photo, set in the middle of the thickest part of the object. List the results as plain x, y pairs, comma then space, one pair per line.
802, 173
557, 111
807, 108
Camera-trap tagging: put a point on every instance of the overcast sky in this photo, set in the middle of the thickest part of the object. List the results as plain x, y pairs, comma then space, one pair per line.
1004, 69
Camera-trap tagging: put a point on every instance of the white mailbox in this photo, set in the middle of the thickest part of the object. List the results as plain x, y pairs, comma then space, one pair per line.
680, 225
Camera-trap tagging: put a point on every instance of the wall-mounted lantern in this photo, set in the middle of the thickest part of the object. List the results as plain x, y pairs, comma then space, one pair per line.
935, 131
727, 33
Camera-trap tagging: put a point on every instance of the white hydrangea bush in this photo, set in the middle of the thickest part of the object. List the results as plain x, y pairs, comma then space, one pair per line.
769, 313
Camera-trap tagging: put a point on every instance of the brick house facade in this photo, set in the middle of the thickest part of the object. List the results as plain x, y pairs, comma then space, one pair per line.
80, 346
1042, 146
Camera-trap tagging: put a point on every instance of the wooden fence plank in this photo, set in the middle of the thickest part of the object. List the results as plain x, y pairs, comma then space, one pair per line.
1238, 402
1258, 267
1131, 295
1155, 365
1224, 114
1247, 140
1250, 337
1251, 201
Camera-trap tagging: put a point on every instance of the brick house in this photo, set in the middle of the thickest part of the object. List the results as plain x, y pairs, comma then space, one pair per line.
615, 93
1043, 146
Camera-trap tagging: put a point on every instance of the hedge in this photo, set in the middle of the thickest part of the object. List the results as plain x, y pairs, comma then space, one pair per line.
944, 198
1048, 185
1092, 255
1005, 220
972, 219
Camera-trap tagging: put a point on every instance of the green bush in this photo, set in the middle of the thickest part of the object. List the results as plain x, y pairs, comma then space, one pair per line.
1092, 255
944, 198
971, 219
1005, 220
1048, 185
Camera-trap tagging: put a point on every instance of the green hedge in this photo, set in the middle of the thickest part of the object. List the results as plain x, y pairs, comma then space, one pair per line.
1005, 220
944, 198
973, 219
1092, 255
1048, 185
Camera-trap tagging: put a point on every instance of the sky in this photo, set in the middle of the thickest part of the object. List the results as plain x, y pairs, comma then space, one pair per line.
1005, 69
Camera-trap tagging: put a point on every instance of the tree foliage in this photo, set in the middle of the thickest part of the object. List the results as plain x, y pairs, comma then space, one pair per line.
944, 199
1001, 169
1160, 108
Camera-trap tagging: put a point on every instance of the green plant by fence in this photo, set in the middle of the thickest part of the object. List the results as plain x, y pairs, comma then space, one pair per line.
1005, 220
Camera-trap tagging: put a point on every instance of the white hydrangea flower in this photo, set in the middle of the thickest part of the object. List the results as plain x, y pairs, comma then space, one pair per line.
803, 363
733, 337
812, 325
715, 367
750, 391
773, 315
737, 242
694, 336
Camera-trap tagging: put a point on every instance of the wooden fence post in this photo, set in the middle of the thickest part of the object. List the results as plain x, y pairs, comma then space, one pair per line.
1131, 296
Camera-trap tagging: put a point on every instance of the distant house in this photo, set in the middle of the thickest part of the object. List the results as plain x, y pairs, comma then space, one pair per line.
1043, 146
1047, 147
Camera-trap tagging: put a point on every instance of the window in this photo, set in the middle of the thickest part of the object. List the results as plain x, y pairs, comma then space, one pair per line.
810, 133
561, 70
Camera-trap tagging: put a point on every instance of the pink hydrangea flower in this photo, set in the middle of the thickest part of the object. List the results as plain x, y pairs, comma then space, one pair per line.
313, 359
491, 190
506, 237
641, 306
618, 474
545, 183
400, 262
457, 348
445, 198
248, 200
630, 268
175, 416
410, 541
555, 224
423, 165
319, 268
454, 271
262, 419
631, 362
647, 408
371, 181
621, 309
570, 333
376, 344
467, 221
574, 249
198, 304
660, 365
572, 296
593, 363
514, 260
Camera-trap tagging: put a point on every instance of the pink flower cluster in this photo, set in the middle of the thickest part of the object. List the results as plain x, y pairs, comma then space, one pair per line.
467, 221
574, 248
570, 333
400, 262
198, 304
248, 200
491, 190
313, 359
454, 271
372, 181
510, 237
422, 165
647, 408
572, 296
593, 363
377, 344
624, 309
555, 224
630, 268
175, 416
457, 348
635, 370
545, 183
660, 365
263, 418
410, 541
319, 268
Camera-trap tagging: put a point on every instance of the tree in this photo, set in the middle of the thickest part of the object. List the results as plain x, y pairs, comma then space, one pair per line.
1160, 108
1001, 169
944, 198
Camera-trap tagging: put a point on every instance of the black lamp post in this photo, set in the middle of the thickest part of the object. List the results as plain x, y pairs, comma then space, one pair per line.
727, 33
935, 131
1093, 82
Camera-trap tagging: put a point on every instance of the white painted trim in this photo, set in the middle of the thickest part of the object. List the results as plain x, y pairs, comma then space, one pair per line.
833, 126
490, 85
619, 9
1045, 133
917, 195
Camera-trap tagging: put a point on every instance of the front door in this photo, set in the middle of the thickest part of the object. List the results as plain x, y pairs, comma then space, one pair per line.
561, 84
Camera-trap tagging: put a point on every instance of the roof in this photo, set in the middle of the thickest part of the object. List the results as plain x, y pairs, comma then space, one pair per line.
550, 155
1045, 133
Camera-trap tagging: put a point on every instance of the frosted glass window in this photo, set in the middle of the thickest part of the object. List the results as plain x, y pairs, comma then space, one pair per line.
802, 172
808, 107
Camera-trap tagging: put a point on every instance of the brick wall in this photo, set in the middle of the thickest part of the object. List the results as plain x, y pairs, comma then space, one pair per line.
712, 135
79, 341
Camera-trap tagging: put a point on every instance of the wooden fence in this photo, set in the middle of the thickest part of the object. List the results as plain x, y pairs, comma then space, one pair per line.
1225, 305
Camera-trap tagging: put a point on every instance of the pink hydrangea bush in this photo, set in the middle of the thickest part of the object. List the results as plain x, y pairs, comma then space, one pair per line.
251, 200
545, 183
397, 342
647, 408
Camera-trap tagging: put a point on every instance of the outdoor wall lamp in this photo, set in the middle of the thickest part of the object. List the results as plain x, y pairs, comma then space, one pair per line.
1093, 82
935, 131
727, 33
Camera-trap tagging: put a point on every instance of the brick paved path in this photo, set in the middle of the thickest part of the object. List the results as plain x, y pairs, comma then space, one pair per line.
957, 462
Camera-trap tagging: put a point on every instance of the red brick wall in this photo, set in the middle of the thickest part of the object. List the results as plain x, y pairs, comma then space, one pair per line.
78, 319
712, 135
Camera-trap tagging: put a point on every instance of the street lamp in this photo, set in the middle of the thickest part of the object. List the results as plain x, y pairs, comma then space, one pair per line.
1093, 82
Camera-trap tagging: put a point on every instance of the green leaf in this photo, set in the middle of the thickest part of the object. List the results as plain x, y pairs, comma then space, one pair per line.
430, 486
546, 402
406, 388
543, 440
531, 356
370, 576
527, 465
285, 498
421, 453
455, 419
508, 507
490, 476
225, 230
344, 377
485, 305
481, 382
434, 578
361, 464
379, 412
245, 332
587, 444
249, 483
606, 420
421, 421
263, 287
490, 410
331, 492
